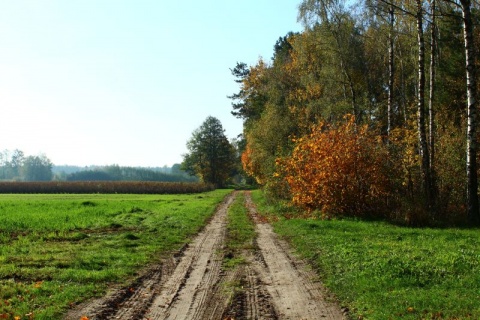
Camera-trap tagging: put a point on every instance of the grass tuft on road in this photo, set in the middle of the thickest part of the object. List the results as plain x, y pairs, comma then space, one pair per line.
58, 250
382, 271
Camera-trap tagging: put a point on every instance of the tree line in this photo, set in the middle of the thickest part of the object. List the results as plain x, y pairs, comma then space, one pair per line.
16, 166
371, 110
119, 173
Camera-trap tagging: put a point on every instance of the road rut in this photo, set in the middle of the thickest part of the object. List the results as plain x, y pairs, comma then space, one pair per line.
192, 284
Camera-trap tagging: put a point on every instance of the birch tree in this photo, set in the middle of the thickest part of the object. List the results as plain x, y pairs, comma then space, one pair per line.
422, 136
336, 20
431, 98
472, 148
391, 68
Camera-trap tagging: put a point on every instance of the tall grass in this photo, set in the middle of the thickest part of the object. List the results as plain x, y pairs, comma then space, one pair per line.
57, 250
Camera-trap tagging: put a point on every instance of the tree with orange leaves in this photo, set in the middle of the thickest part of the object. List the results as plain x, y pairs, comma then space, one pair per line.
339, 171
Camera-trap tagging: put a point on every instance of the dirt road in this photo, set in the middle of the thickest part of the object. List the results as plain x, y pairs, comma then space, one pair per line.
273, 284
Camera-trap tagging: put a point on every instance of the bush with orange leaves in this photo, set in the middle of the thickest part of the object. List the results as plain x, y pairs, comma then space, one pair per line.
247, 162
339, 171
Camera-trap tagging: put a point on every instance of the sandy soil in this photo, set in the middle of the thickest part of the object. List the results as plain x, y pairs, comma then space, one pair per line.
192, 284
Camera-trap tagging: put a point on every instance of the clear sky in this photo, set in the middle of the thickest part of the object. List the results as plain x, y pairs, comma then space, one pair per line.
97, 82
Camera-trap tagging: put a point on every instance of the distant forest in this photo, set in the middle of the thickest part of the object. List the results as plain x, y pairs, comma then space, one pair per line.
118, 173
16, 166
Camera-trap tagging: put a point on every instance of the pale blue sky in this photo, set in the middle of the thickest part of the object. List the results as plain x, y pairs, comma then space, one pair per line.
126, 81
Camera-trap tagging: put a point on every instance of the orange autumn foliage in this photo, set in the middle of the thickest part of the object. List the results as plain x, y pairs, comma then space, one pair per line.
247, 163
339, 171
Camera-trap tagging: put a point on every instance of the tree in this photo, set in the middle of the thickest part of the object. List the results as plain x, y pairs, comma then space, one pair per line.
431, 98
391, 68
346, 44
472, 149
177, 169
249, 102
37, 168
16, 163
211, 156
422, 136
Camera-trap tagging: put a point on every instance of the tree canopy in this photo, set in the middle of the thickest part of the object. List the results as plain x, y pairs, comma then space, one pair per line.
211, 156
405, 72
16, 166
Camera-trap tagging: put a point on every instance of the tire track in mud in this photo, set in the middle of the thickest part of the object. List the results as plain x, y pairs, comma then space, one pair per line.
194, 285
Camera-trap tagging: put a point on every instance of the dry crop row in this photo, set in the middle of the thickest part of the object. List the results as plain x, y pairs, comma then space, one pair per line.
133, 187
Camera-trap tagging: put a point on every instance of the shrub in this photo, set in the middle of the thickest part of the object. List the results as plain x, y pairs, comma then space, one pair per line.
340, 171
451, 175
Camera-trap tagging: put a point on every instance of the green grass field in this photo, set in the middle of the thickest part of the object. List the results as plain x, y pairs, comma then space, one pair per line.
382, 271
57, 250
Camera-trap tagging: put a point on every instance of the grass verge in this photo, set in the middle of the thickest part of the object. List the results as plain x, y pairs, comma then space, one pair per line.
240, 232
58, 250
381, 271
